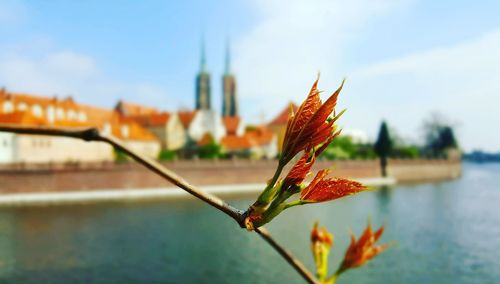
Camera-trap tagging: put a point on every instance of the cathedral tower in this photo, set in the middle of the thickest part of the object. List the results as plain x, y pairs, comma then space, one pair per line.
229, 103
203, 83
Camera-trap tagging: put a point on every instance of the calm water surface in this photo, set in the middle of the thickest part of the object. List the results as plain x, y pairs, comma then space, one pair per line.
445, 232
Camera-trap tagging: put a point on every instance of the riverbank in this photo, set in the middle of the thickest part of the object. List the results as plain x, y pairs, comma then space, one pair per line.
109, 195
76, 183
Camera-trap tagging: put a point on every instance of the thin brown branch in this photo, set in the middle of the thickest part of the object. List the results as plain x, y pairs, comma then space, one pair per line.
294, 262
93, 134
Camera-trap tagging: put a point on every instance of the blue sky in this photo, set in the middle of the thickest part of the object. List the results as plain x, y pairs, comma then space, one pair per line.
403, 59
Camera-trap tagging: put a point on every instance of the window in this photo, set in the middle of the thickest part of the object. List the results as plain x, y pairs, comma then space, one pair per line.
22, 106
107, 128
72, 115
124, 131
82, 117
50, 114
37, 110
60, 113
8, 107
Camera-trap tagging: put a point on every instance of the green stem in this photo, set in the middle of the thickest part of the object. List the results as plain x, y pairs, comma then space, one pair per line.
336, 275
267, 195
333, 279
277, 174
295, 203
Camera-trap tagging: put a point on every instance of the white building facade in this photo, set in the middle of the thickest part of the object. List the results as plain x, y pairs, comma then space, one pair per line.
206, 121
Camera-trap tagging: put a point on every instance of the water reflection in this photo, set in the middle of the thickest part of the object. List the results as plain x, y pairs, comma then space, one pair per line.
383, 195
445, 233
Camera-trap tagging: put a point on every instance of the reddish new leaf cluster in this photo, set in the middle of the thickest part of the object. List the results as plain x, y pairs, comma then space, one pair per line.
310, 130
321, 236
358, 253
364, 249
311, 126
321, 243
324, 189
299, 171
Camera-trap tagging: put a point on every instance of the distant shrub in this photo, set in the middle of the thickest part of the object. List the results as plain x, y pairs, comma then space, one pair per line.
210, 151
167, 155
406, 152
120, 156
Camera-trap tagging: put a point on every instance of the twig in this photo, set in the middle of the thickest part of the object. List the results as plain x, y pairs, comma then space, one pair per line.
295, 263
93, 134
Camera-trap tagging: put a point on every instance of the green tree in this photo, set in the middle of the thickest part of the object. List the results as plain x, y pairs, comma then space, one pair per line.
444, 140
119, 155
343, 148
439, 135
210, 150
383, 147
167, 155
408, 152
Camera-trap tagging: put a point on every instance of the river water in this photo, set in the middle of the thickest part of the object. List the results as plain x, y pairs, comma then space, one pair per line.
445, 232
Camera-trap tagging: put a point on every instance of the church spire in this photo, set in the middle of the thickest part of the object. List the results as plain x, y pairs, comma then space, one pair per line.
203, 65
229, 100
202, 94
227, 67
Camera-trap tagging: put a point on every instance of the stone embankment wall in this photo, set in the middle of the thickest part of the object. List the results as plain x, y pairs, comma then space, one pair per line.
96, 176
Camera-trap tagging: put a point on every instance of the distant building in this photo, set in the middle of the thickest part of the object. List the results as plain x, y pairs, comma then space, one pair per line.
132, 109
42, 149
7, 147
202, 122
167, 127
256, 143
203, 100
229, 100
28, 110
136, 137
234, 125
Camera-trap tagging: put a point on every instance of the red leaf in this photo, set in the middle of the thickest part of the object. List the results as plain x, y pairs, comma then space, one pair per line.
299, 171
329, 189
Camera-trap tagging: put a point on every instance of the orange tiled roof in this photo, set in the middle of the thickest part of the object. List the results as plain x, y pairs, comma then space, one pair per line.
231, 123
186, 117
205, 139
155, 119
282, 117
21, 117
92, 112
132, 109
28, 119
160, 118
135, 131
95, 116
235, 143
42, 101
260, 135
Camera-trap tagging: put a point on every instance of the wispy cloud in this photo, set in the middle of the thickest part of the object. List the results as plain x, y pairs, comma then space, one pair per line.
65, 73
294, 40
460, 81
279, 58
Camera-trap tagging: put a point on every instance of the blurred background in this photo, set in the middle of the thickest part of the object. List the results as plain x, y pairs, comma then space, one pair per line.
206, 87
